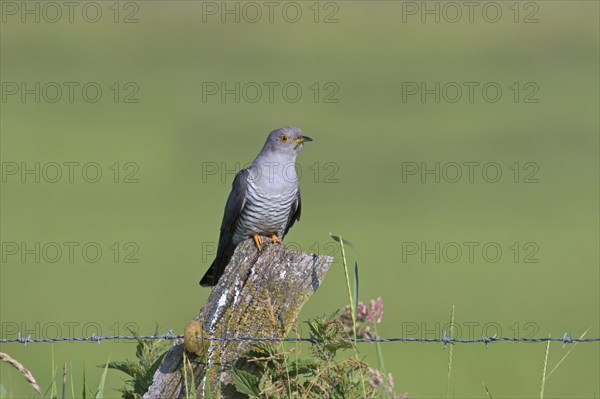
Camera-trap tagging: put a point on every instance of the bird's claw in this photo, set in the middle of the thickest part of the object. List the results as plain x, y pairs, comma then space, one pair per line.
257, 241
275, 239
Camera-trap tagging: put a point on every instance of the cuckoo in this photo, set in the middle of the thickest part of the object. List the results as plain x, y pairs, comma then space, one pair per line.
264, 199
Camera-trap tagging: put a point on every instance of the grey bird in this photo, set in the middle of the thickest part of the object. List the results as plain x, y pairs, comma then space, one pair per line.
264, 199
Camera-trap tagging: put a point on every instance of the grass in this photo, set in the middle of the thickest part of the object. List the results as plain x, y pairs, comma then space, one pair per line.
22, 370
451, 347
543, 384
324, 373
546, 375
282, 372
368, 135
487, 391
100, 392
51, 391
568, 353
353, 299
189, 381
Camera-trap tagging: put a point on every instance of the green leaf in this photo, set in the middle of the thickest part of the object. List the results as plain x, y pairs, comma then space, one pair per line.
245, 382
100, 393
261, 349
340, 239
302, 366
84, 384
149, 355
128, 367
333, 347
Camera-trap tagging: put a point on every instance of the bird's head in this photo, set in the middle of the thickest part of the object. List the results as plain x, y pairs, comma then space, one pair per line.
286, 140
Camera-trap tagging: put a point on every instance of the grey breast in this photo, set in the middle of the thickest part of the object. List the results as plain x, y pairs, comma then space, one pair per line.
267, 208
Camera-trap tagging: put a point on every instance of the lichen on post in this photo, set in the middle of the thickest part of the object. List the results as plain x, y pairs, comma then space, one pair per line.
259, 295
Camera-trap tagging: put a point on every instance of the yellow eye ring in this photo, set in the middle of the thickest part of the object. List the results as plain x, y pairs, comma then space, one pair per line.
283, 138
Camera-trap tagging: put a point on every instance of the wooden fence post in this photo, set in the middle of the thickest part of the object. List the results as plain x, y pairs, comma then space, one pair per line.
260, 295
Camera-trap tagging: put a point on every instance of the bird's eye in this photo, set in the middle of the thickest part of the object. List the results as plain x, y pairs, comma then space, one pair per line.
283, 138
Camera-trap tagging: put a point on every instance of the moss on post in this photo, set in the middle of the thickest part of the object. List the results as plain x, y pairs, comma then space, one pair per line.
259, 295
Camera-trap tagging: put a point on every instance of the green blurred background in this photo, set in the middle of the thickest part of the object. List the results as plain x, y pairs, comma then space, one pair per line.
172, 214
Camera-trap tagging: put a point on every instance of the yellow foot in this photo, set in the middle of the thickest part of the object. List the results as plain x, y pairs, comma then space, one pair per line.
275, 239
257, 241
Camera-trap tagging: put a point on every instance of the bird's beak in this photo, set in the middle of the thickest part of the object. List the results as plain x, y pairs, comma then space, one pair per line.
302, 139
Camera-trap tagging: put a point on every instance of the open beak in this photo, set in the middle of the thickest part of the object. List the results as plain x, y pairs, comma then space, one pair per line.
302, 139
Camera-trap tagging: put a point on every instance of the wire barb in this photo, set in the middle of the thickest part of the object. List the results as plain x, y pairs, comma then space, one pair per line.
97, 338
447, 339
567, 339
23, 341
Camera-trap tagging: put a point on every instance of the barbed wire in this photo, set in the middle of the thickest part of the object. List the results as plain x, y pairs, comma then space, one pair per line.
446, 339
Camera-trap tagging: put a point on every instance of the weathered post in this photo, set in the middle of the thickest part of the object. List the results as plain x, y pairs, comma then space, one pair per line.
260, 295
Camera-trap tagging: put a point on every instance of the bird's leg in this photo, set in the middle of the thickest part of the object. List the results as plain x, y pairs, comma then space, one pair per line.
257, 241
275, 239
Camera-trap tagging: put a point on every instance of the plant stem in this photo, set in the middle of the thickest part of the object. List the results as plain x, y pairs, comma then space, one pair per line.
352, 309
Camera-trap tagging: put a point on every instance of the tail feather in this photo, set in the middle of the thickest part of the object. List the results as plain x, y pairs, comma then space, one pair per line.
217, 268
208, 280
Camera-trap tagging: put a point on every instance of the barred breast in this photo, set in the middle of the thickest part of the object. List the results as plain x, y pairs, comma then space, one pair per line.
264, 213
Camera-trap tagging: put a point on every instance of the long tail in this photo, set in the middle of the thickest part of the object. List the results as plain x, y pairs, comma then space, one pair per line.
217, 268
209, 279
